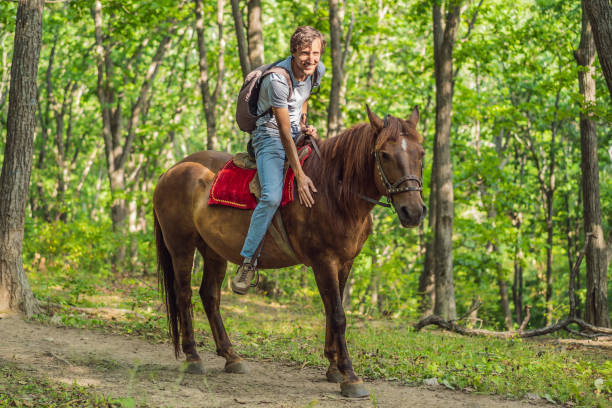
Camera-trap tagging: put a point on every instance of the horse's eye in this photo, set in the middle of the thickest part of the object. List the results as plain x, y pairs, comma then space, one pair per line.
385, 156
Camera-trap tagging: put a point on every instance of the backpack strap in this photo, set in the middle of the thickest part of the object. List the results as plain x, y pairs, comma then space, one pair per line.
315, 79
283, 72
275, 69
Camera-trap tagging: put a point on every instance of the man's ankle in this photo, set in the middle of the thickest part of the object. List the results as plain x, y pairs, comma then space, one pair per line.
247, 259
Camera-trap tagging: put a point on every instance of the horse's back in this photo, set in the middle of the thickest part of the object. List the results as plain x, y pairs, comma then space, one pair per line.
210, 159
193, 172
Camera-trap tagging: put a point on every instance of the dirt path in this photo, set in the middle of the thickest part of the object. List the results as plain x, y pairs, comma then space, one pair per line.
122, 366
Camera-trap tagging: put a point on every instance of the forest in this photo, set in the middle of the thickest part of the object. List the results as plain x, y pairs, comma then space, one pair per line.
511, 95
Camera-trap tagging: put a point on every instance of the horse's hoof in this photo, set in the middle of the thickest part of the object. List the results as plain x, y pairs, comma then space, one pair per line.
334, 375
237, 367
195, 367
354, 390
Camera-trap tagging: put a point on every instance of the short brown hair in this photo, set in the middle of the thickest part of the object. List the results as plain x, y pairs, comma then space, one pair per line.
304, 36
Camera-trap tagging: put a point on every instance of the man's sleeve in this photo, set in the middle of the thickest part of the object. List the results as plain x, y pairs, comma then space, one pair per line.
278, 91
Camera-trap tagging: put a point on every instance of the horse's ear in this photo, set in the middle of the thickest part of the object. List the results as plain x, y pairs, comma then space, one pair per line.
415, 116
375, 121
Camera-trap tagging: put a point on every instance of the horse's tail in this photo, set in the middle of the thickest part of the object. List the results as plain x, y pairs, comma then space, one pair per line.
165, 276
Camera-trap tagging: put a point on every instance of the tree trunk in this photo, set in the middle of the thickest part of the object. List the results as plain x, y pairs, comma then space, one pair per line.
4, 78
209, 100
501, 283
445, 34
427, 292
599, 13
255, 34
427, 286
549, 254
517, 283
573, 252
15, 292
335, 28
517, 290
243, 51
505, 303
38, 202
381, 12
338, 56
596, 311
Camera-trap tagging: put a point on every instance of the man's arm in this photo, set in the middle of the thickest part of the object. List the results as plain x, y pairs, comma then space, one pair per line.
305, 185
304, 118
308, 130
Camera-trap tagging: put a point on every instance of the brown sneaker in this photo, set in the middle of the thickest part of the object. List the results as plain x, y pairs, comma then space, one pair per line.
243, 278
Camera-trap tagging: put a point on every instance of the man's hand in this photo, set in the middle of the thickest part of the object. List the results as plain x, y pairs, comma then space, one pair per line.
305, 189
310, 131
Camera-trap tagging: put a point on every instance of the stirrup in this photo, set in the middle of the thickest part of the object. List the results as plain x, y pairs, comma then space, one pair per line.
254, 285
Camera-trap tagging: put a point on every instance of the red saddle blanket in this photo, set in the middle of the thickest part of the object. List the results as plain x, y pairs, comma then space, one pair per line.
231, 186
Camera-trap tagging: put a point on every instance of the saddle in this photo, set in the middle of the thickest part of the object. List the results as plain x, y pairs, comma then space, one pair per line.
247, 161
237, 185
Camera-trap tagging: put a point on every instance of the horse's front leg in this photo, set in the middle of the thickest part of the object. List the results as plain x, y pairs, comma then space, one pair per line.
328, 277
333, 374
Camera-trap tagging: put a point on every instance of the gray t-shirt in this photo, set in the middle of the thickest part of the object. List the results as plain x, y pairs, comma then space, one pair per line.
274, 92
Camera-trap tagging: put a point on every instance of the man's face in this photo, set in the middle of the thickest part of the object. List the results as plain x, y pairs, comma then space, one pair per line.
307, 57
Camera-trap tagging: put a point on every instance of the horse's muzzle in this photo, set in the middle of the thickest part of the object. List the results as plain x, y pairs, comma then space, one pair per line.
410, 217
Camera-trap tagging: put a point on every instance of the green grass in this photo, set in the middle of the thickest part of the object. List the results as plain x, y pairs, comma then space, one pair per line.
385, 349
18, 388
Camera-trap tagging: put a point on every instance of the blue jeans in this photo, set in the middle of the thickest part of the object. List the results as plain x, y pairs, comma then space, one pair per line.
270, 156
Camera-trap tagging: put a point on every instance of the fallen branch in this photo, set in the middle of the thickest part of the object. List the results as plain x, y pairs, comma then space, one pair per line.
526, 319
587, 335
454, 327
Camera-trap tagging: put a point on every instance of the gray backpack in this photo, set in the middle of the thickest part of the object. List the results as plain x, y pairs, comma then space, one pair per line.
246, 107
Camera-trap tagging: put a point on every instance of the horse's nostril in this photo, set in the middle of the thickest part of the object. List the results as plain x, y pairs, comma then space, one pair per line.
404, 212
424, 211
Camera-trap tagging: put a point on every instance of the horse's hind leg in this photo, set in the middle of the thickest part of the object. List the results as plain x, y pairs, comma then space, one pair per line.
182, 261
210, 292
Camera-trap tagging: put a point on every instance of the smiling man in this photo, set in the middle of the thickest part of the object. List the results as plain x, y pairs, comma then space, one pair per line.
273, 139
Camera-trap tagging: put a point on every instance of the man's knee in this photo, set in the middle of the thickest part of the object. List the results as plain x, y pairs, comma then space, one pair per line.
272, 199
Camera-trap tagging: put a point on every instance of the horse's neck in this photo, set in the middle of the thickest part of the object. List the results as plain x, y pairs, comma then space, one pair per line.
347, 170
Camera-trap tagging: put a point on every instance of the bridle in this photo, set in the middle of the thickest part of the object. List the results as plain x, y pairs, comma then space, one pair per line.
393, 188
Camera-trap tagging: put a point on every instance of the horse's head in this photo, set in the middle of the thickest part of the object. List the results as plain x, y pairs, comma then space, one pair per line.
398, 171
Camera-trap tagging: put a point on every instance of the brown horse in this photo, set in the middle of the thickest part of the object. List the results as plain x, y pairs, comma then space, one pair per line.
355, 168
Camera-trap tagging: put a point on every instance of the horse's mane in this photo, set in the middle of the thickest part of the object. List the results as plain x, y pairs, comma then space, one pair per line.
347, 166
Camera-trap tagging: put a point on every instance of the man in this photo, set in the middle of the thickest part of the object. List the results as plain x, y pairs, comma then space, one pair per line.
273, 140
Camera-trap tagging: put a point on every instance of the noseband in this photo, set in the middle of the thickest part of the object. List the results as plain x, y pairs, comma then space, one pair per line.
393, 188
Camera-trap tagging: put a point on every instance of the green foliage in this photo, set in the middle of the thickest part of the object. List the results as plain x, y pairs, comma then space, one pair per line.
70, 263
71, 257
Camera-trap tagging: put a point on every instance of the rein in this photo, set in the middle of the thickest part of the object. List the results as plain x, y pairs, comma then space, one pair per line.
393, 188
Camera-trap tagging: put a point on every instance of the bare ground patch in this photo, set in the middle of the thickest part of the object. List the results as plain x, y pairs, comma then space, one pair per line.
123, 366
